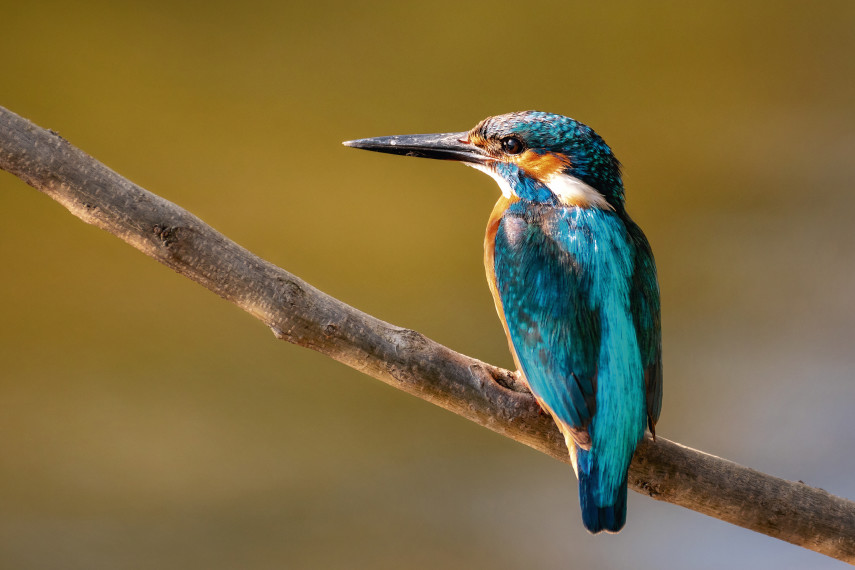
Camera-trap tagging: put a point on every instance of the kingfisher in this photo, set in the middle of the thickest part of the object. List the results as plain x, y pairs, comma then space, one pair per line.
574, 282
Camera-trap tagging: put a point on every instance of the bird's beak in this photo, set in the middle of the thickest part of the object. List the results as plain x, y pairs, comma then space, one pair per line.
444, 146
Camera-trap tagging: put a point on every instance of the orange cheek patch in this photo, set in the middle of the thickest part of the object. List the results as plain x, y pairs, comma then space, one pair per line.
541, 166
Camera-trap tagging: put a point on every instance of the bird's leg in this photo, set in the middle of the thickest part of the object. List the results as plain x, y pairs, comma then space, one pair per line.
514, 381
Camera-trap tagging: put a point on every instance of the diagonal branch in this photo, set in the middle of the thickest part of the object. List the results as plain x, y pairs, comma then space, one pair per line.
405, 359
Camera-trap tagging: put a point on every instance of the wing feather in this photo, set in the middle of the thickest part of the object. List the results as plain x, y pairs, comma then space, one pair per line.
554, 332
645, 307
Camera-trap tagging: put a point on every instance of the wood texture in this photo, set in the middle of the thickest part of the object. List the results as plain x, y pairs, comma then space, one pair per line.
492, 397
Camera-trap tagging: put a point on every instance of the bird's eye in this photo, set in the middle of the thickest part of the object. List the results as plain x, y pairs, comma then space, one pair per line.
512, 145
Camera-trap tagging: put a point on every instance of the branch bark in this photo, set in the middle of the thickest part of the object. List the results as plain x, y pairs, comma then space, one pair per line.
490, 396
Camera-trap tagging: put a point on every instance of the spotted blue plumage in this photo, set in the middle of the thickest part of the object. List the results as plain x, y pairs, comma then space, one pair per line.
575, 284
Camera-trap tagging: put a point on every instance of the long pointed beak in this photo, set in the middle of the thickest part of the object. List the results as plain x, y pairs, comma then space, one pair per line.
443, 146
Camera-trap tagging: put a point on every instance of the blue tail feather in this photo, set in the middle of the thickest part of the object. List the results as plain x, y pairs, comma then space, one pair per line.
609, 518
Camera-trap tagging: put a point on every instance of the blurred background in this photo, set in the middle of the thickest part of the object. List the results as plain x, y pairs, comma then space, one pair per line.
148, 424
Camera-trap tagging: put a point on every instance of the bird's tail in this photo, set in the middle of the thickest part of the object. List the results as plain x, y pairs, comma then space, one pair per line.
596, 518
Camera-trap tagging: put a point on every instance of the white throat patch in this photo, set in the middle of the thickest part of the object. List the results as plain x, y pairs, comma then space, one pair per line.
573, 192
507, 192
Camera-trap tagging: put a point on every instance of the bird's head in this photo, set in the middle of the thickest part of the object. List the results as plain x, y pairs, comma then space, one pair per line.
535, 156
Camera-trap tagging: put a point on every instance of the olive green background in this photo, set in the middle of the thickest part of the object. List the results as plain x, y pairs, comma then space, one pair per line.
145, 423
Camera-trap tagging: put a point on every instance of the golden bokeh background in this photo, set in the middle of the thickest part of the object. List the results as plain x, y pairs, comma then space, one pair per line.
148, 424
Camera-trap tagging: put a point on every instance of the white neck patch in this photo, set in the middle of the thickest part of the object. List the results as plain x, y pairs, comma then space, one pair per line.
573, 192
570, 190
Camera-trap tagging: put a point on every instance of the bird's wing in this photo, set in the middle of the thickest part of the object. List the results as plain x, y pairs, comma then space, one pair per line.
552, 327
644, 304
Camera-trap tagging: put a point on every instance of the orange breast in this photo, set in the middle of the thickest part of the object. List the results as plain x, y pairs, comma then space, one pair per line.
490, 261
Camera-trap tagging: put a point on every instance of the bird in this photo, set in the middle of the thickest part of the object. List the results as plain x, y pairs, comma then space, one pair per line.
574, 283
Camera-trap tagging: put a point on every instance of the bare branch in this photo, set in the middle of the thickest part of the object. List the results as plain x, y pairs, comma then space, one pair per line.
405, 359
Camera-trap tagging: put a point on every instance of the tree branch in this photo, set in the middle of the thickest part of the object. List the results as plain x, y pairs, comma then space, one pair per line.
490, 396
